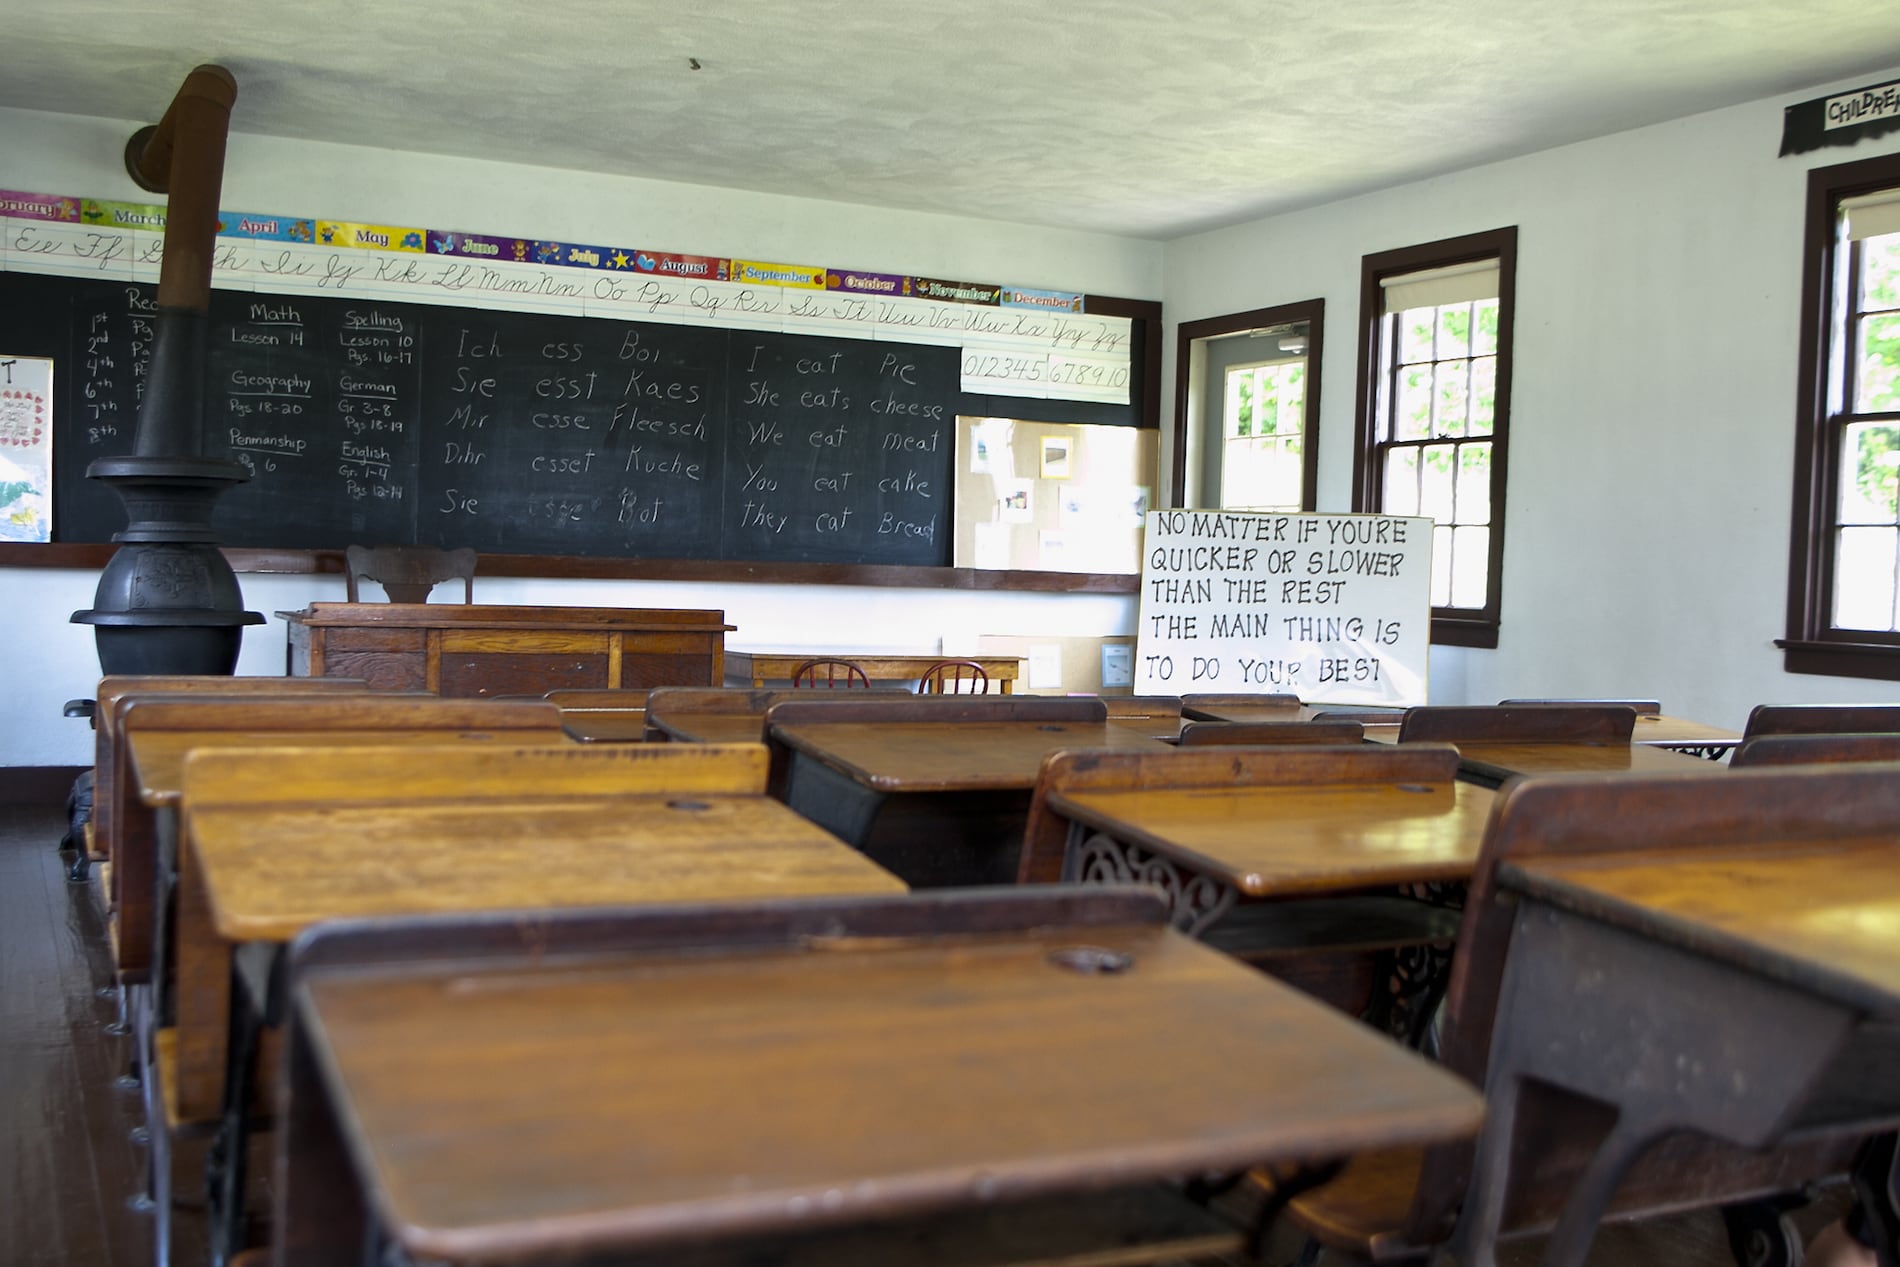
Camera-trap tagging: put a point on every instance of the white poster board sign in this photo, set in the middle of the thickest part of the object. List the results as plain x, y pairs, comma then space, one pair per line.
1333, 608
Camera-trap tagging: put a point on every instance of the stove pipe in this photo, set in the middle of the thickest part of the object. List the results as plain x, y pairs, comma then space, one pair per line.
168, 602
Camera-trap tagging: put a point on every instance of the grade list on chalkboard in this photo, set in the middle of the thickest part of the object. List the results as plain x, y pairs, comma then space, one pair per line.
369, 422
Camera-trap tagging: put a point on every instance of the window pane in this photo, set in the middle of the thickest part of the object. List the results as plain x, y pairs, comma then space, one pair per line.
1263, 474
1484, 339
1880, 272
1474, 483
1870, 471
1415, 334
1863, 579
1877, 373
1470, 553
1290, 391
1450, 398
1237, 415
1436, 481
1401, 482
1484, 395
1414, 418
1441, 567
1454, 331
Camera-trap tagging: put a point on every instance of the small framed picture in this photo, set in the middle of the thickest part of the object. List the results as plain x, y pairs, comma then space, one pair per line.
1055, 457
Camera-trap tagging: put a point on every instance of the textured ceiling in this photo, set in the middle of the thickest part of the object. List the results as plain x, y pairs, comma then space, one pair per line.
1147, 119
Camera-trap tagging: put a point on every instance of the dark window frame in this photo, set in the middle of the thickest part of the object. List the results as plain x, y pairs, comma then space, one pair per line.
1311, 311
1814, 644
1451, 626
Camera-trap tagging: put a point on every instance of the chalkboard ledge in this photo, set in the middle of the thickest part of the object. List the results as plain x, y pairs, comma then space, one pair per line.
89, 556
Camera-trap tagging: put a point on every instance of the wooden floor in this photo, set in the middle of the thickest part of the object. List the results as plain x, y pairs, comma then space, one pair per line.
70, 1169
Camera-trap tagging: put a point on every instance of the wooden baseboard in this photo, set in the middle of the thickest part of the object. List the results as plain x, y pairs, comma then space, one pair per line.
37, 784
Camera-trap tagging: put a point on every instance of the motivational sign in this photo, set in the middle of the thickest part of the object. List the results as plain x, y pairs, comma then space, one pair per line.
1333, 608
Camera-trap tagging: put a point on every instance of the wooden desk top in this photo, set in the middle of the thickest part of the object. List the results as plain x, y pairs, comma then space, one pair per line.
1299, 839
605, 725
493, 1115
1502, 760
270, 872
711, 727
1653, 728
158, 756
951, 756
1825, 916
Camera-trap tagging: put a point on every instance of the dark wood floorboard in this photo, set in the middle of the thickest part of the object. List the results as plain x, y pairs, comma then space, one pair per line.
69, 1169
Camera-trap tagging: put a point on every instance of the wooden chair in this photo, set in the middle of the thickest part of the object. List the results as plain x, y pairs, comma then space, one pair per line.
408, 573
1527, 723
1120, 706
954, 677
1197, 734
1398, 1205
1822, 719
829, 675
1814, 750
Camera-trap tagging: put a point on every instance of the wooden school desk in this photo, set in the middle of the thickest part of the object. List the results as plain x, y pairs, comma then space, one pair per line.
809, 1066
937, 788
734, 714
464, 650
1736, 974
1290, 859
276, 840
759, 669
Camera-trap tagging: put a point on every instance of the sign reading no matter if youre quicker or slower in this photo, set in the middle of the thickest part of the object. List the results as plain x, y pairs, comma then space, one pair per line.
1333, 608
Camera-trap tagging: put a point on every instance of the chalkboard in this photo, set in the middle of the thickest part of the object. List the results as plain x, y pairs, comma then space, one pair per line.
520, 433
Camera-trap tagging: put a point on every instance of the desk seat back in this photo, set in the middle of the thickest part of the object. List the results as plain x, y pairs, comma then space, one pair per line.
371, 710
1199, 734
1813, 750
1822, 719
1207, 699
863, 706
1583, 815
1520, 723
467, 774
1046, 834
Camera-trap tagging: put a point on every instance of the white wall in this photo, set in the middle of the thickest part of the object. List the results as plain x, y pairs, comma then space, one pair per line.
1652, 415
50, 660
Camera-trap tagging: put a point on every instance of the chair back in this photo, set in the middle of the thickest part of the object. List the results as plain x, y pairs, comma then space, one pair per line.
828, 675
1822, 719
1197, 734
954, 677
1813, 750
1643, 707
1520, 723
408, 573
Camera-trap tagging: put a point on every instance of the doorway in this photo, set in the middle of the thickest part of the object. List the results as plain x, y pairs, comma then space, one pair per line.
1247, 409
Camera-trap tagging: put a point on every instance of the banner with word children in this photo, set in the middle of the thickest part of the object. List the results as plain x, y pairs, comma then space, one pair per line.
1333, 608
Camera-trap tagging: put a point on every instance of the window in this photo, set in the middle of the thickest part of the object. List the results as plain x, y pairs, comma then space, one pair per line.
1247, 394
1434, 413
1843, 591
1263, 433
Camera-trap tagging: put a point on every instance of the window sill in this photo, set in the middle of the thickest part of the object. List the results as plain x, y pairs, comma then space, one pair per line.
1841, 659
1464, 631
